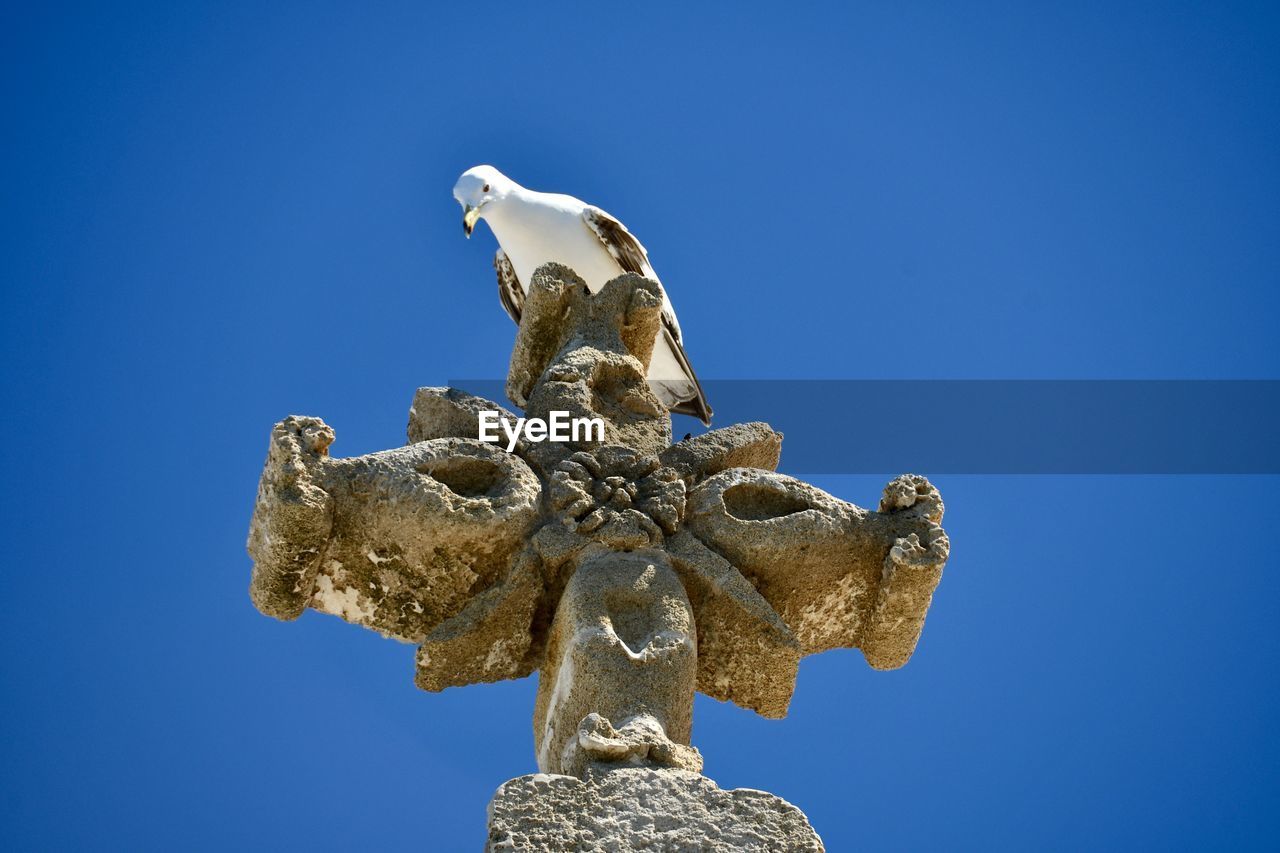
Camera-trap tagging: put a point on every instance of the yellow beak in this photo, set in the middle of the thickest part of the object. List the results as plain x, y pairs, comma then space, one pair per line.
469, 216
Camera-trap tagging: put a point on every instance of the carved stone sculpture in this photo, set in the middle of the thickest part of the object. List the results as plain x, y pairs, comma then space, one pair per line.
630, 572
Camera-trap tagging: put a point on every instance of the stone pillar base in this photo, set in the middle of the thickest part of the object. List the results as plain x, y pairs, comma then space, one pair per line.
640, 808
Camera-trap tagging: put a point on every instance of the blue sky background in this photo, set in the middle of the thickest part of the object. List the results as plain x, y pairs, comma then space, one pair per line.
215, 216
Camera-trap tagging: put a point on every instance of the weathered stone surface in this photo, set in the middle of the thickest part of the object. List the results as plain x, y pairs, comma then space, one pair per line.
397, 541
560, 314
630, 571
628, 809
292, 518
450, 413
573, 353
618, 497
423, 543
746, 653
622, 650
838, 575
753, 445
491, 639
911, 573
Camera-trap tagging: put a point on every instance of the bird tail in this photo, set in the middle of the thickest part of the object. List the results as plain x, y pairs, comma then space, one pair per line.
697, 407
685, 396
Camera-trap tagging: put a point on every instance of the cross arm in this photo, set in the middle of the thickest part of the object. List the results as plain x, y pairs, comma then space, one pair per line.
839, 576
401, 541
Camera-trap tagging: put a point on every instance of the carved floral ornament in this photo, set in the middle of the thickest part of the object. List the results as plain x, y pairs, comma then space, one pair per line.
618, 497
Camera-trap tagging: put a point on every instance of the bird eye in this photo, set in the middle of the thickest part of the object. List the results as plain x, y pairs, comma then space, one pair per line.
486, 188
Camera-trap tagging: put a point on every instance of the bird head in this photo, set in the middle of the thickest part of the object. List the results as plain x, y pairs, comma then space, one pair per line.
477, 187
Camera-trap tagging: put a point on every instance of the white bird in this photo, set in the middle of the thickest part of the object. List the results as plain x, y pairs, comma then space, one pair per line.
534, 228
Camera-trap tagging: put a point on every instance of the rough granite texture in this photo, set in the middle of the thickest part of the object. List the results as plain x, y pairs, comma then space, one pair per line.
588, 355
397, 541
838, 575
620, 668
629, 573
641, 809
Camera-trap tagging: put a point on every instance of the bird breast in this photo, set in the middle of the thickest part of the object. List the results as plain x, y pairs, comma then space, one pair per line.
533, 234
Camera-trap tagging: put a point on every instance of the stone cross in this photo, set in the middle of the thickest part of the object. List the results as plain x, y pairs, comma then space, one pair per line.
628, 572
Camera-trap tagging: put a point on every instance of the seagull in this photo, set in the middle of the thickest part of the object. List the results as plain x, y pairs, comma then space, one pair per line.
534, 228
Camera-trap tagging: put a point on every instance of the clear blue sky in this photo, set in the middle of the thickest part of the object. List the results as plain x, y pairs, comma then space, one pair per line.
217, 216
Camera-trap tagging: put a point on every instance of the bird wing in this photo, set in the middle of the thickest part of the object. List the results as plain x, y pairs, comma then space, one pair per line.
509, 289
620, 242
627, 251
632, 257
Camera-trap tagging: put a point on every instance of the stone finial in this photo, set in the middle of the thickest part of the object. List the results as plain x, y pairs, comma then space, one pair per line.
560, 316
588, 354
630, 571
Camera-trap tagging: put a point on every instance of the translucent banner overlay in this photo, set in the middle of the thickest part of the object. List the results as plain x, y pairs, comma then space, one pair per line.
1001, 426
